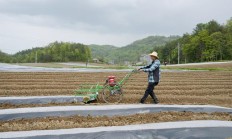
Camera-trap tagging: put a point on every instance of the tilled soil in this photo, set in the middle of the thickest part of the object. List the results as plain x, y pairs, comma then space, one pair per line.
199, 87
90, 121
213, 88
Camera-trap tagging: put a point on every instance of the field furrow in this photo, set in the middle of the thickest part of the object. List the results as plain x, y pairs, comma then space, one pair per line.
175, 87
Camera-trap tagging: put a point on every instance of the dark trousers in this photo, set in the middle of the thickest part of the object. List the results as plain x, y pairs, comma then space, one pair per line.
149, 91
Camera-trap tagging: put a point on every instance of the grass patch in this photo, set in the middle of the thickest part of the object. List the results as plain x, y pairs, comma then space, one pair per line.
105, 67
45, 65
190, 68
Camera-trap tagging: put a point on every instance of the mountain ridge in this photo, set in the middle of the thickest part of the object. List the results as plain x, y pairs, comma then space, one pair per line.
130, 52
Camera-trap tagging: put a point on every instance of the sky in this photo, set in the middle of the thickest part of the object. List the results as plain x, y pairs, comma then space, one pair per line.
26, 24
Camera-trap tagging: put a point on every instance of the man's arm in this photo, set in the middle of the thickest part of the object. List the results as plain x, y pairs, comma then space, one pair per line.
145, 67
155, 65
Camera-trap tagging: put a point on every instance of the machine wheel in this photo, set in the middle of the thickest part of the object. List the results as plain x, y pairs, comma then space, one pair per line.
112, 94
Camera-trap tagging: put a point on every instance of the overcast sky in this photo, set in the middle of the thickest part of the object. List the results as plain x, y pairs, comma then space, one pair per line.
25, 24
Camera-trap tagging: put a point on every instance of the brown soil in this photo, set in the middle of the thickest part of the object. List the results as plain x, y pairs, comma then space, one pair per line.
90, 121
175, 87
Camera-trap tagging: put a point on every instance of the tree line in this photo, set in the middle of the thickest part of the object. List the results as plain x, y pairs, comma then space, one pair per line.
208, 42
6, 58
54, 52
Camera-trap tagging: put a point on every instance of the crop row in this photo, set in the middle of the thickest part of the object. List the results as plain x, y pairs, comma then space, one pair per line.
178, 87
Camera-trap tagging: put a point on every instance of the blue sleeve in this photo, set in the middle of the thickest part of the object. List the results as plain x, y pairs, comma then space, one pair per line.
155, 65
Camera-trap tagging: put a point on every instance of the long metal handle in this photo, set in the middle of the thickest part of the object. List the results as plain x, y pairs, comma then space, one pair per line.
123, 81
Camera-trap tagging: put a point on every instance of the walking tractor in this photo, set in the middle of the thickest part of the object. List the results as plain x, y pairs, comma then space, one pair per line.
111, 91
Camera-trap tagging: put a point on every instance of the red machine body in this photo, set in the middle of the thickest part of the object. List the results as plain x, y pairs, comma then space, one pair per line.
111, 81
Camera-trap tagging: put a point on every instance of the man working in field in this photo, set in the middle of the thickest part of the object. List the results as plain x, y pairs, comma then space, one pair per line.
153, 71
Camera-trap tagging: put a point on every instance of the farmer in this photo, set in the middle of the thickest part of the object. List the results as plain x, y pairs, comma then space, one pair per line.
153, 71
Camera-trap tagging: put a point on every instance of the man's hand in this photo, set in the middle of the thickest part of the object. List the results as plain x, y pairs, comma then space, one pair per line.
139, 69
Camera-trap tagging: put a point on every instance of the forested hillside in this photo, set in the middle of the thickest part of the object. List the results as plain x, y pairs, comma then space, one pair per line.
5, 57
131, 52
208, 42
64, 52
101, 52
54, 52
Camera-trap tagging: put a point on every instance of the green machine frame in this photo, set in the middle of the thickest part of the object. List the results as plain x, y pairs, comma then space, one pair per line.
110, 94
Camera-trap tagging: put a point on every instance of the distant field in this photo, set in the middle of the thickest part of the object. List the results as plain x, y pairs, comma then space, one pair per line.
203, 66
74, 65
60, 65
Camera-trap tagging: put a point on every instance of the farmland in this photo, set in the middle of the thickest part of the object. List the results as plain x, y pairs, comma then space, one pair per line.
91, 121
179, 87
199, 87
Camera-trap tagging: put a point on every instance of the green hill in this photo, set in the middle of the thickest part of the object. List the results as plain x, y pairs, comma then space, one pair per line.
131, 52
209, 41
54, 52
65, 51
101, 51
4, 57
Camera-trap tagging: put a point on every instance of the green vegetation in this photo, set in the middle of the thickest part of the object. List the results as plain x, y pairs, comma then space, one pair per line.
214, 66
208, 42
131, 52
102, 52
104, 67
89, 66
191, 68
5, 57
54, 52
46, 65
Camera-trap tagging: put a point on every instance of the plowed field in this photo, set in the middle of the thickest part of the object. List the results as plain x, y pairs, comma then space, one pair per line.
175, 87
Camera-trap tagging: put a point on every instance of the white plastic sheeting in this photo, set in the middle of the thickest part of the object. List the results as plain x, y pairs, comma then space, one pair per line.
40, 99
206, 129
